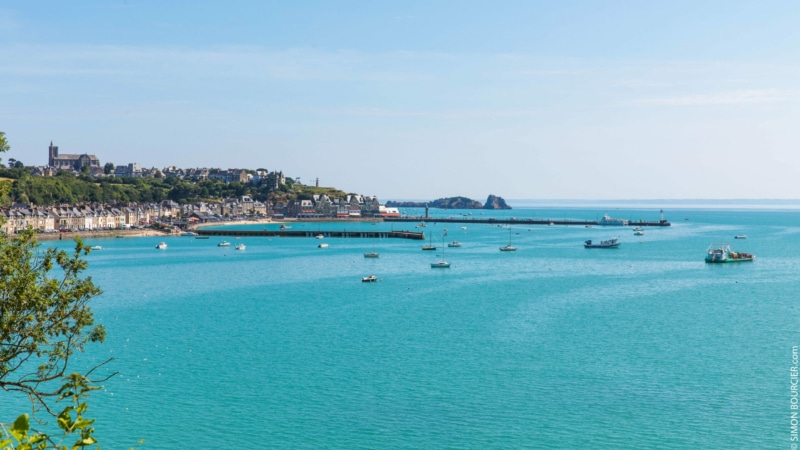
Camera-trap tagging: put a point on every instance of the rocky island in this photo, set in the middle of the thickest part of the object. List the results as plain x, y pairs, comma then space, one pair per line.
492, 202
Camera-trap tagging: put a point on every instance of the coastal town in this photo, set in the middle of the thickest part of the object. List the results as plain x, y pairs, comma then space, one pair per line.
168, 214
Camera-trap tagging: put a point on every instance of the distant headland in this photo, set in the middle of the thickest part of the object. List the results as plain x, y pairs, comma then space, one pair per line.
492, 202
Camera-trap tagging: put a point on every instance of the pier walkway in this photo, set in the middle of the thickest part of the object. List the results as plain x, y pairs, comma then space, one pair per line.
513, 221
313, 233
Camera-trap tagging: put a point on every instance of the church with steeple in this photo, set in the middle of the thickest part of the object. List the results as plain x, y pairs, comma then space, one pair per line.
70, 162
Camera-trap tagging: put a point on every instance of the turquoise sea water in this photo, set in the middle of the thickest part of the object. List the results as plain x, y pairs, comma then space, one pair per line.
552, 346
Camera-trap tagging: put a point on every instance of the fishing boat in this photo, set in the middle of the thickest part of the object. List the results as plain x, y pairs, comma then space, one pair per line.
369, 279
509, 247
224, 244
722, 253
239, 247
161, 246
608, 243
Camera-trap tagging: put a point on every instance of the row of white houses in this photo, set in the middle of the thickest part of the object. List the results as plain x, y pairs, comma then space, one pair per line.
101, 216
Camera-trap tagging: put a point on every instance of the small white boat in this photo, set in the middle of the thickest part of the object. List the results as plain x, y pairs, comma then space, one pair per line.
319, 236
323, 245
224, 244
161, 246
463, 228
97, 247
239, 247
638, 231
369, 279
440, 265
454, 244
188, 233
509, 247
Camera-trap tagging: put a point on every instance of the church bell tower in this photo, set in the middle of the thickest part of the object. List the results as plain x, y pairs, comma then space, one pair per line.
52, 154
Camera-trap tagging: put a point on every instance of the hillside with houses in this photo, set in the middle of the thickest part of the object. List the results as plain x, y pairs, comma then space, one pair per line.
75, 192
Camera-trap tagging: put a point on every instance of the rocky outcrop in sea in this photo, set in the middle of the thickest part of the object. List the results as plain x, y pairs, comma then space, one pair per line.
495, 202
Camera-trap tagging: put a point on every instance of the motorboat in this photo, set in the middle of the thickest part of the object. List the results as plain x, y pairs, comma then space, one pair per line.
319, 236
638, 231
188, 233
722, 253
372, 255
323, 245
97, 247
454, 244
369, 279
161, 246
239, 247
224, 244
740, 236
608, 243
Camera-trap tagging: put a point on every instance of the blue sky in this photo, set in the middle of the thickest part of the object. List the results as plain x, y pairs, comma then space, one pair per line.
419, 100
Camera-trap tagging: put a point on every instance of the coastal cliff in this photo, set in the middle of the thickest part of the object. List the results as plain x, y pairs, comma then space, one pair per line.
492, 202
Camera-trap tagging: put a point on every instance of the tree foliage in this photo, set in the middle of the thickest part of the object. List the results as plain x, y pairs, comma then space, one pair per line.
44, 315
4, 146
72, 421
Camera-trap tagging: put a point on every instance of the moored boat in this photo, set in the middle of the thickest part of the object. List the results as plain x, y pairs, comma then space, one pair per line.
722, 253
369, 279
161, 246
224, 244
372, 255
610, 221
740, 236
323, 245
607, 243
454, 244
239, 247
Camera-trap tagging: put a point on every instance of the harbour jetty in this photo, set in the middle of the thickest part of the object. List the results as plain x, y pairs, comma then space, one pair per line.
414, 235
515, 221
